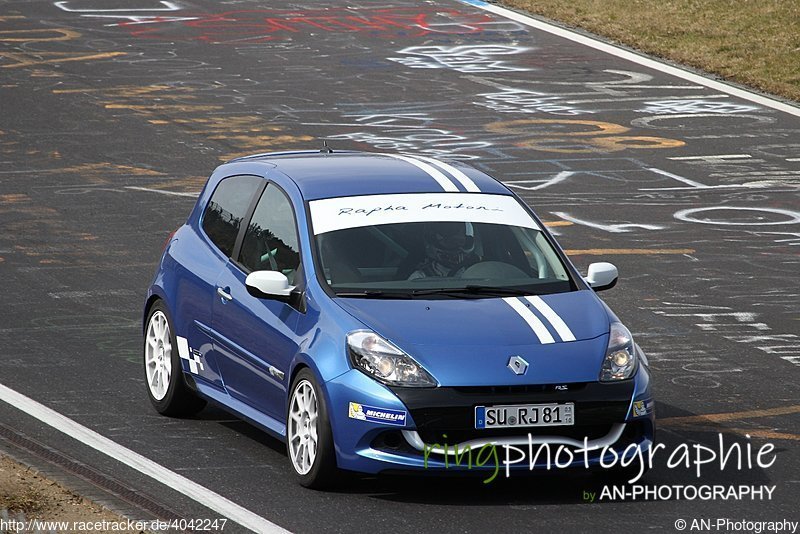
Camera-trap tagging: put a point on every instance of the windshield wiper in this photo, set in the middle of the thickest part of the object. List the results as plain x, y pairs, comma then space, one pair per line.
473, 289
373, 294
469, 291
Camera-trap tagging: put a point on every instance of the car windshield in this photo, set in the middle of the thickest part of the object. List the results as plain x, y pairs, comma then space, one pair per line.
381, 247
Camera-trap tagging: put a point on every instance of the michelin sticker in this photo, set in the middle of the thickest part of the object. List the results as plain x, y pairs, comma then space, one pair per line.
362, 412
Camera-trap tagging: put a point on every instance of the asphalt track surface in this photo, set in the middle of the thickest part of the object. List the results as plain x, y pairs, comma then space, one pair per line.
104, 115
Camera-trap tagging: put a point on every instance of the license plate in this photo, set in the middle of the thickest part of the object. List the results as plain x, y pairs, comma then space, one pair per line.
525, 415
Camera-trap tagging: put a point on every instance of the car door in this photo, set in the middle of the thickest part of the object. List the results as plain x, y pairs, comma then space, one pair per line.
256, 336
200, 256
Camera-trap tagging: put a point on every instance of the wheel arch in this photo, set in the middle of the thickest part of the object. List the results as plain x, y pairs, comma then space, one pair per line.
154, 295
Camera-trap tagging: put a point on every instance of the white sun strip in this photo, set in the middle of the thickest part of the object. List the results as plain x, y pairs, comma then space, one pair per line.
146, 466
637, 58
338, 213
555, 320
536, 325
459, 175
434, 173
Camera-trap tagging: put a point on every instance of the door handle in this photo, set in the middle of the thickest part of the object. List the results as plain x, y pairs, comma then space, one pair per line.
224, 295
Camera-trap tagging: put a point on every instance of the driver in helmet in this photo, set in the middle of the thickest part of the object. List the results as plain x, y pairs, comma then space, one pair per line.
449, 250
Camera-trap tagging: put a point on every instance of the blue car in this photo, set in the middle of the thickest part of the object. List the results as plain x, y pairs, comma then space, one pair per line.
390, 313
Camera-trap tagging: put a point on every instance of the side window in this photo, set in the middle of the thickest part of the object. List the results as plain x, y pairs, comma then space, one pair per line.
226, 209
270, 241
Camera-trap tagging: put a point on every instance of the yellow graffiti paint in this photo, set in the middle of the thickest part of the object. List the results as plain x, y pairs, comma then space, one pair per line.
256, 141
188, 184
518, 127
573, 136
85, 168
766, 434
616, 143
39, 58
43, 73
120, 91
96, 173
226, 125
37, 35
163, 108
559, 145
712, 422
692, 420
14, 198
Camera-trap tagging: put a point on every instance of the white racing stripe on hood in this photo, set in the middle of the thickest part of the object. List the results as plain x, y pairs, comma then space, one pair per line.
536, 325
434, 173
555, 319
465, 180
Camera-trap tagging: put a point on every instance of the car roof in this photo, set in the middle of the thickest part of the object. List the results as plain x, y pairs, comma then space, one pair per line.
347, 173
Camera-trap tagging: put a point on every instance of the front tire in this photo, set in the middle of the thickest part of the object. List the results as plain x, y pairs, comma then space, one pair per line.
166, 387
309, 440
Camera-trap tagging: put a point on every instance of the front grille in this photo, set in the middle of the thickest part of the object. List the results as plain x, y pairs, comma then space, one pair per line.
431, 433
448, 413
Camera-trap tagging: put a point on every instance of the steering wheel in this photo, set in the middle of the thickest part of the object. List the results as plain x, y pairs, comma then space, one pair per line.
493, 269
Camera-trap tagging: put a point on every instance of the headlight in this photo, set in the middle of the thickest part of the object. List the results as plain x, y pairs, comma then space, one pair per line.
386, 363
620, 360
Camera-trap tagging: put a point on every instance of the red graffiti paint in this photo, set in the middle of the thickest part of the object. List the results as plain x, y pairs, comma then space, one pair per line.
263, 25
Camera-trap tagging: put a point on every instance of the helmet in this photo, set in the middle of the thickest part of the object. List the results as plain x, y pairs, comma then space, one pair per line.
448, 243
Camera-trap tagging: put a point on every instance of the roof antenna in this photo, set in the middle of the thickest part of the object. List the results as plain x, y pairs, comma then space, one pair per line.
325, 148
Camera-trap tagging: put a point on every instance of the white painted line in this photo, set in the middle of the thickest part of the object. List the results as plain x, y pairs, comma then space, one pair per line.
792, 159
465, 180
636, 58
134, 460
689, 188
679, 178
555, 319
558, 178
612, 228
168, 6
649, 97
536, 325
434, 173
721, 156
163, 192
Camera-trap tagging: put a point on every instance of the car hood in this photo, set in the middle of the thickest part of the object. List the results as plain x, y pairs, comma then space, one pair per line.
468, 342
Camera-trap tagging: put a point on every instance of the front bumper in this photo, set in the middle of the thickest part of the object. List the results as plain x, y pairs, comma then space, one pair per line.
438, 431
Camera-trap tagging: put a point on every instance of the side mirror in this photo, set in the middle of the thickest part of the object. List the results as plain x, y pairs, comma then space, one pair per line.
268, 284
602, 276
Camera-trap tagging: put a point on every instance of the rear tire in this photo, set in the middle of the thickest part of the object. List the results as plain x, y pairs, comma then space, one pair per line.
163, 374
309, 440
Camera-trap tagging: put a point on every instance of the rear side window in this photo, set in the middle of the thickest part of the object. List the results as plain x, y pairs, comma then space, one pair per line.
226, 209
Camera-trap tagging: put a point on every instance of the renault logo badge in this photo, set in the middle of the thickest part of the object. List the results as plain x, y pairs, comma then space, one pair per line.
517, 365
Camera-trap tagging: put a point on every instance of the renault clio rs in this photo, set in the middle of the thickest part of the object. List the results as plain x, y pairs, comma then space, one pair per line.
383, 312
